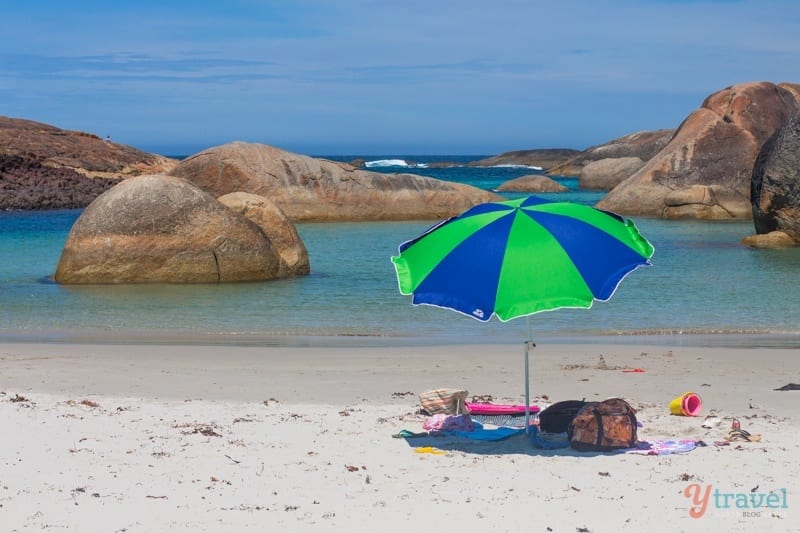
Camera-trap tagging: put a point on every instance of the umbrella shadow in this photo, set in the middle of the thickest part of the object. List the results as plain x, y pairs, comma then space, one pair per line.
519, 444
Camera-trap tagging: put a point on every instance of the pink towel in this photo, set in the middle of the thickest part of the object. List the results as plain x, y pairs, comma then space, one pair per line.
443, 422
499, 409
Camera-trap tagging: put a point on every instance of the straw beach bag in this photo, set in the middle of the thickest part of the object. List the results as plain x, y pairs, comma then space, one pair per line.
447, 401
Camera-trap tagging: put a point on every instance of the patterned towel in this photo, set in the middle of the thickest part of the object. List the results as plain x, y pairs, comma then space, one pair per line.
661, 447
517, 421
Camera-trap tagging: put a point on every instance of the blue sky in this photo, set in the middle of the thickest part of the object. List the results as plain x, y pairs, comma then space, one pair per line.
376, 77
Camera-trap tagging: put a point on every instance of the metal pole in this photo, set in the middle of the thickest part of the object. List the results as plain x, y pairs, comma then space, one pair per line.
528, 344
527, 390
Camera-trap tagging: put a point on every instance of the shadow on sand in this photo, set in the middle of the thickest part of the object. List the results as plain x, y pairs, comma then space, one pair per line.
519, 444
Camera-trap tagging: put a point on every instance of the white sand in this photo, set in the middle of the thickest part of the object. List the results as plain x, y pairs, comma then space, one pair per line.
226, 438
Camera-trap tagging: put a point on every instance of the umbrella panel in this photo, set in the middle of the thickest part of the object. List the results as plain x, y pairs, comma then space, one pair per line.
538, 273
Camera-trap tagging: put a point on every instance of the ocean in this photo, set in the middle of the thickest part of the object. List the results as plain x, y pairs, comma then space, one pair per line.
704, 288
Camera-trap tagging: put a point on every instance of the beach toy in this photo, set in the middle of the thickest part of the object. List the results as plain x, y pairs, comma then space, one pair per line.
430, 449
687, 404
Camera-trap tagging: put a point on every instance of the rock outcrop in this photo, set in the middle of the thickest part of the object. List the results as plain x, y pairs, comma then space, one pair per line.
771, 240
280, 231
532, 183
544, 158
704, 172
605, 174
85, 153
159, 228
26, 184
44, 167
775, 191
306, 188
643, 145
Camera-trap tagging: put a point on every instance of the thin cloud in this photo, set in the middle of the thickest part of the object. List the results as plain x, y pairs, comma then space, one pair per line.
34, 66
478, 65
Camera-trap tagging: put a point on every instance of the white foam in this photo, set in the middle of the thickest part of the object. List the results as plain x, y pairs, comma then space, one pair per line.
386, 163
517, 166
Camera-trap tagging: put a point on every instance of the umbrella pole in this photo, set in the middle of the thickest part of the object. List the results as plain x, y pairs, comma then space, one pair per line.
527, 390
528, 344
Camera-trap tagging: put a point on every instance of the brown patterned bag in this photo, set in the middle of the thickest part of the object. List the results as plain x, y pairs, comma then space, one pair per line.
447, 401
604, 426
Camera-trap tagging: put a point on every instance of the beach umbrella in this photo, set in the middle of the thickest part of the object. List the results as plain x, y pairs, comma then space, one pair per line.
519, 257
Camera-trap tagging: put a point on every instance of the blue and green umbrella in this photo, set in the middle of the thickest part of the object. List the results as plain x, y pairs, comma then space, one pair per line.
519, 257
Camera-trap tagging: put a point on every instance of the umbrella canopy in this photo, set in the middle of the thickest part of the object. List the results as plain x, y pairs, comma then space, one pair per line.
519, 257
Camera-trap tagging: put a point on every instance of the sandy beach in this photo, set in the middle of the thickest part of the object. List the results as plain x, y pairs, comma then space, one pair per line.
145, 437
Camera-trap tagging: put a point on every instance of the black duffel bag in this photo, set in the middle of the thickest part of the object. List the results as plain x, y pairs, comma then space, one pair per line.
557, 417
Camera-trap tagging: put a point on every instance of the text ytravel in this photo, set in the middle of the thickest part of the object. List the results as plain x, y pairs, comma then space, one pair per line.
743, 501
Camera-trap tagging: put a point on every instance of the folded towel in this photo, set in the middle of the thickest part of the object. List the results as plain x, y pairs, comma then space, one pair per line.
499, 409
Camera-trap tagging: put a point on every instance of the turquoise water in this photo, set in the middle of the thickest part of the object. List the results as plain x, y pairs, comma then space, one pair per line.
703, 284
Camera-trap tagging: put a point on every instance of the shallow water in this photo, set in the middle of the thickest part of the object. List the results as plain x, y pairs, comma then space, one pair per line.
704, 287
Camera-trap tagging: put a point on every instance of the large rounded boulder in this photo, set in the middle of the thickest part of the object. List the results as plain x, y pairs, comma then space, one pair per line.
532, 183
775, 193
159, 228
307, 188
704, 172
273, 222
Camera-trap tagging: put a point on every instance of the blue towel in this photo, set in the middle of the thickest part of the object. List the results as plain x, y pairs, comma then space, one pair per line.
548, 441
479, 433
